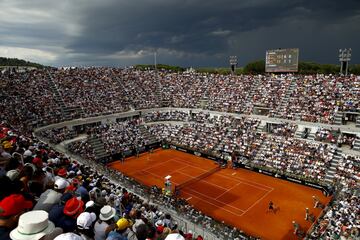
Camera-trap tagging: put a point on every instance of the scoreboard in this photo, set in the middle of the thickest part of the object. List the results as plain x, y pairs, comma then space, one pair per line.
282, 60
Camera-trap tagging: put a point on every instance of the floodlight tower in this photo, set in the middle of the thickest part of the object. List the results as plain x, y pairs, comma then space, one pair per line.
344, 58
233, 63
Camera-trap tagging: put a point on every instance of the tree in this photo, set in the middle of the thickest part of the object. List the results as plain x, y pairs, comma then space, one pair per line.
257, 67
18, 62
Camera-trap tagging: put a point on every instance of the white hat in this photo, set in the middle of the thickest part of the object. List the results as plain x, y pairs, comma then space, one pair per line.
68, 236
89, 204
60, 184
32, 225
174, 236
159, 222
13, 174
107, 212
85, 220
27, 153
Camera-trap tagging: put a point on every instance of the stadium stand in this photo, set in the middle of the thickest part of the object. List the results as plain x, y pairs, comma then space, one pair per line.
87, 198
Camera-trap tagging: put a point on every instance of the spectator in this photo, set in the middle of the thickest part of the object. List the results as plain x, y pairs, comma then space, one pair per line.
72, 209
51, 197
122, 230
11, 208
35, 225
85, 222
106, 218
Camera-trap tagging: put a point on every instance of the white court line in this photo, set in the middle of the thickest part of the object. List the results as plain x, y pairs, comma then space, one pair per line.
202, 180
177, 170
250, 183
226, 204
257, 201
224, 209
188, 198
155, 165
228, 190
236, 180
233, 174
206, 196
247, 183
158, 176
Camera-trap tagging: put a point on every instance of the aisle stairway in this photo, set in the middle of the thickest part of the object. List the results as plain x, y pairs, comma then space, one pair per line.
147, 135
312, 134
357, 144
98, 147
358, 122
338, 118
299, 132
261, 127
331, 171
285, 99
253, 91
67, 111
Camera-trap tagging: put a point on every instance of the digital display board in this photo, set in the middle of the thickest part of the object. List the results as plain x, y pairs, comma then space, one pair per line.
282, 60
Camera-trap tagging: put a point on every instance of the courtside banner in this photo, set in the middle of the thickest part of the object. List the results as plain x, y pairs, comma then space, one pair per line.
196, 153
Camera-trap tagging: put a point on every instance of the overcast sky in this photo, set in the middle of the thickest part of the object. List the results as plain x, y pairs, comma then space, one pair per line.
183, 32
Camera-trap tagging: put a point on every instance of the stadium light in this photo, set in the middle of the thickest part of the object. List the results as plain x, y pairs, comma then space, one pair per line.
233, 63
344, 58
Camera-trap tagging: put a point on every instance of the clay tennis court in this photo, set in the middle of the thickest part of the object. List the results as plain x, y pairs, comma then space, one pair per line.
238, 197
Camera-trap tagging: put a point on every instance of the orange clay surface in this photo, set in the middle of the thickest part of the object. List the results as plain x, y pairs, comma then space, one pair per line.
238, 197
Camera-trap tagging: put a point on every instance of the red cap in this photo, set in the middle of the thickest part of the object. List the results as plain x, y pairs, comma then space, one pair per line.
73, 207
188, 236
62, 172
37, 162
71, 188
13, 140
160, 229
13, 205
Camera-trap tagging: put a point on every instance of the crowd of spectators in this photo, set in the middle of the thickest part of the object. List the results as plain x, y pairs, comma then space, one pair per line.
57, 135
270, 90
46, 195
82, 148
32, 174
283, 129
276, 151
318, 98
334, 137
295, 157
118, 137
27, 100
341, 218
348, 170
326, 135
220, 136
166, 116
99, 91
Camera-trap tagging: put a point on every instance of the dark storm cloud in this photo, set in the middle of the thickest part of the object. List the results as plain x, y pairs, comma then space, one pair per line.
191, 32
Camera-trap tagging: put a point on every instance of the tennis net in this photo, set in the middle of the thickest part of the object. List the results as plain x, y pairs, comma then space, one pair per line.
196, 179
